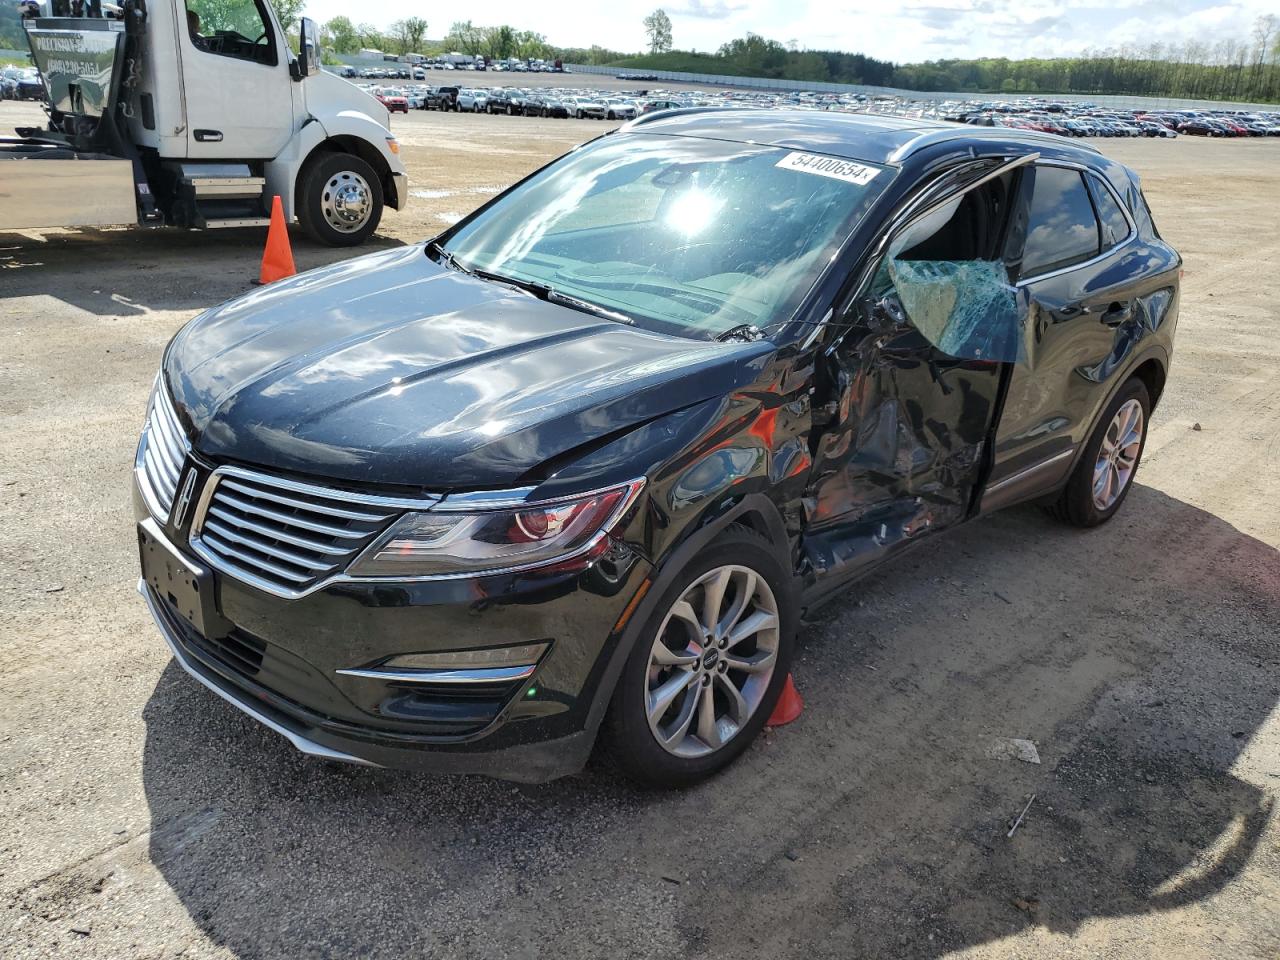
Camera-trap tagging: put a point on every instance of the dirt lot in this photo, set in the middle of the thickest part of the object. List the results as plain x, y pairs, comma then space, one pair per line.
146, 818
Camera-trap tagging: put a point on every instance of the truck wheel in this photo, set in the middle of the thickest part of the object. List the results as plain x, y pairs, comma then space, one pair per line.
339, 199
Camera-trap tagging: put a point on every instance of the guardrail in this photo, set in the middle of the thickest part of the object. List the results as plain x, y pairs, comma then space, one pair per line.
769, 83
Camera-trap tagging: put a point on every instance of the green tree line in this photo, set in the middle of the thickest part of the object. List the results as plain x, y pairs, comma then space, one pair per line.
1233, 69
341, 36
12, 36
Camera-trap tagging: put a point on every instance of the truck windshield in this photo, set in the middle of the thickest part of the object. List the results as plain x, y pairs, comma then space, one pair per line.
679, 235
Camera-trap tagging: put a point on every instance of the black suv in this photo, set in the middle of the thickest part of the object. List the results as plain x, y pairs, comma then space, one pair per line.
506, 100
573, 470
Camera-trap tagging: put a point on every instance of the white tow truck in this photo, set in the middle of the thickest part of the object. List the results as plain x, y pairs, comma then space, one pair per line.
195, 113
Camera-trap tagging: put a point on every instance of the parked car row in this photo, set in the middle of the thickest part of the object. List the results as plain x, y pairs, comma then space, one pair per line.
418, 71
1089, 120
518, 101
1073, 119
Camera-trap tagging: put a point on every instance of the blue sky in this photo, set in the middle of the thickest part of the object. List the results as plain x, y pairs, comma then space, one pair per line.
914, 30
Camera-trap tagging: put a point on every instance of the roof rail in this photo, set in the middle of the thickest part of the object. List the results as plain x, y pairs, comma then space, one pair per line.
677, 112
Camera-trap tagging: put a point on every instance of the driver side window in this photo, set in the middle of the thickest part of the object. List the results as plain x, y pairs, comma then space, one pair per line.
946, 275
239, 29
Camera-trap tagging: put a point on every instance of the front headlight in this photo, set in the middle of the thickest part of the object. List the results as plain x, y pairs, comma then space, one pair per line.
445, 541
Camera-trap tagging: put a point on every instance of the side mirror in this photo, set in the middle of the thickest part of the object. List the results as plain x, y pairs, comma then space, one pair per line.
887, 314
308, 48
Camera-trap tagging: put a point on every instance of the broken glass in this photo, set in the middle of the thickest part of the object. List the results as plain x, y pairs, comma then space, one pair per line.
949, 276
965, 308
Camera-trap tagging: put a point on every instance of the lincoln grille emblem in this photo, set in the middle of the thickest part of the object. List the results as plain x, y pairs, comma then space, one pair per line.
184, 498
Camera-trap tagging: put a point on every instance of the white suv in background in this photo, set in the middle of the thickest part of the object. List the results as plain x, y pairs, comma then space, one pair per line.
472, 100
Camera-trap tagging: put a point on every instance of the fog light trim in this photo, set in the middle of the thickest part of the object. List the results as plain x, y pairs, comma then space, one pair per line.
491, 675
489, 665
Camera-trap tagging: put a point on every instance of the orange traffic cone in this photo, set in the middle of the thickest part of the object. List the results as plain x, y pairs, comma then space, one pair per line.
789, 707
277, 259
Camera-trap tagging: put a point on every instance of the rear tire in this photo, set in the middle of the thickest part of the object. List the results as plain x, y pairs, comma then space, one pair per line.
339, 199
707, 724
1104, 476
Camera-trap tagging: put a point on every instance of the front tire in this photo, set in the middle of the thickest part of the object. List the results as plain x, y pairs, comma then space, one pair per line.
339, 199
1104, 476
707, 668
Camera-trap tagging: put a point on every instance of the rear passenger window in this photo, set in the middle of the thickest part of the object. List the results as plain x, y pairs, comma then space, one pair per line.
1061, 227
1112, 219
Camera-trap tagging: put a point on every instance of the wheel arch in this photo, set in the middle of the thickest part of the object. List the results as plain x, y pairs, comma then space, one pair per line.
362, 148
1151, 367
753, 510
1152, 372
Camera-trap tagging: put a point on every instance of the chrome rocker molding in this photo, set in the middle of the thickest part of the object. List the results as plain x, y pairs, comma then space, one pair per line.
1027, 482
309, 747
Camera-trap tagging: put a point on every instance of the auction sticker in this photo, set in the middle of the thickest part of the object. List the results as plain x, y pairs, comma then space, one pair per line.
832, 167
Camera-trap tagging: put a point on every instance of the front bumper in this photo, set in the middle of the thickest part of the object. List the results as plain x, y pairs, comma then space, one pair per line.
401, 183
279, 663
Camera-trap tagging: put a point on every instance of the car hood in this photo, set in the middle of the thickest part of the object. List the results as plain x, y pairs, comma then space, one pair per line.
392, 369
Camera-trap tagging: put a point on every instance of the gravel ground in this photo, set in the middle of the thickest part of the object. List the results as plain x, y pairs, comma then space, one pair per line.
147, 818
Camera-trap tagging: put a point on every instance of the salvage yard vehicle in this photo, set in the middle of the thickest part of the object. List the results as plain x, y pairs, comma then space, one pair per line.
473, 100
571, 471
197, 115
441, 98
392, 99
616, 108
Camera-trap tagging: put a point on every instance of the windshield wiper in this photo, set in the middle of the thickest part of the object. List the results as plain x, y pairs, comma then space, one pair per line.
448, 258
742, 333
544, 291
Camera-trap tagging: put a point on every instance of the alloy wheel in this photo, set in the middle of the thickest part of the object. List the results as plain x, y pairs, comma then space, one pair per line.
347, 201
711, 661
1118, 455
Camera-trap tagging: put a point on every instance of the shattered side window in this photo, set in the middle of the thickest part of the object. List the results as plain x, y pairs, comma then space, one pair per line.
947, 271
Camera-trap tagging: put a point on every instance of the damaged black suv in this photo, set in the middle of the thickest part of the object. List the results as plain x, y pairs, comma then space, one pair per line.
568, 474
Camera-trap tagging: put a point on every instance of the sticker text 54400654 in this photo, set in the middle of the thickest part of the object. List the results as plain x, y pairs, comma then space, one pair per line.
832, 167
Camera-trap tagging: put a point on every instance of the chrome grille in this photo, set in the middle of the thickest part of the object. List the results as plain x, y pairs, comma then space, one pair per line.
164, 448
284, 536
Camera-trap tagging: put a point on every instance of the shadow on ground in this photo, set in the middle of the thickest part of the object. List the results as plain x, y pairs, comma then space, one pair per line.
129, 272
1139, 657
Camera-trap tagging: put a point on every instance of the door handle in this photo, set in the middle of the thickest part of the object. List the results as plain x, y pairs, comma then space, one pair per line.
1117, 314
208, 136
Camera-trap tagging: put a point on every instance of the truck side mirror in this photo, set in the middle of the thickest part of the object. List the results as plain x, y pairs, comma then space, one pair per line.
308, 48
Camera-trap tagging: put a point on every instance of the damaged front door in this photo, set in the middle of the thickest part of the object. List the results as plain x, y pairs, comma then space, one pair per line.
912, 382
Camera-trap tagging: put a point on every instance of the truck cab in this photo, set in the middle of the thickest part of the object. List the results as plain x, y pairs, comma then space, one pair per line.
196, 113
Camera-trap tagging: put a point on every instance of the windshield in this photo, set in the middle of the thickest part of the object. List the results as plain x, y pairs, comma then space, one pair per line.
681, 235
